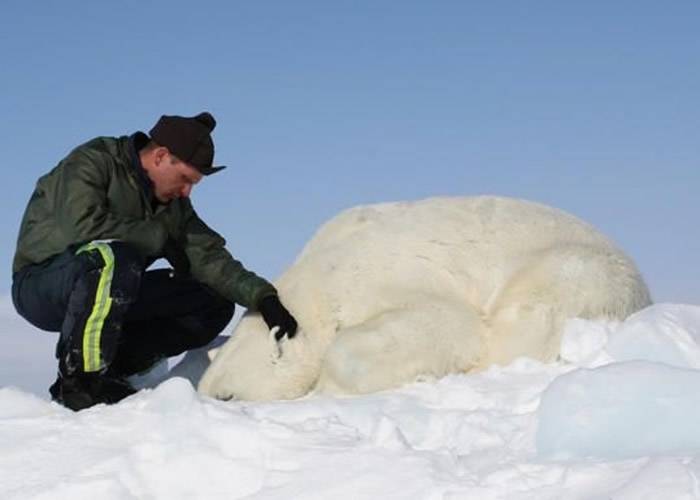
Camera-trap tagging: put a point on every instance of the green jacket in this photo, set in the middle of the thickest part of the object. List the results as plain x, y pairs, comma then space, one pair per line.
96, 193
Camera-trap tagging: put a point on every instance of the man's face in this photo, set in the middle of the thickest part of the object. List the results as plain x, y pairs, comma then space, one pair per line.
172, 178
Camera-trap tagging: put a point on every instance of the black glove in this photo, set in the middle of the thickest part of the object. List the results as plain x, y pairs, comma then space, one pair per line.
275, 315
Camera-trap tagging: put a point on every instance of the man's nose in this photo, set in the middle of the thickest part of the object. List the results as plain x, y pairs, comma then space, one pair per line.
186, 191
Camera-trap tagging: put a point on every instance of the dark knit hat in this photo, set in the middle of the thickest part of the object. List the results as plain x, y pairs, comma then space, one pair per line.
189, 139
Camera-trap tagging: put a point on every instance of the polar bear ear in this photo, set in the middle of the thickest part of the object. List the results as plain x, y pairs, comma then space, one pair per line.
211, 353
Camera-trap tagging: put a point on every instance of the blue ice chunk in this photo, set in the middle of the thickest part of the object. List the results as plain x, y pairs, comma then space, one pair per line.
620, 410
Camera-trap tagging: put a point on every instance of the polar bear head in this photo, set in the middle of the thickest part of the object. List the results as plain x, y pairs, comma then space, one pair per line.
252, 365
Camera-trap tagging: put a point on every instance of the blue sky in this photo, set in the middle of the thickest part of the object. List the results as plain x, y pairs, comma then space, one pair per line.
593, 107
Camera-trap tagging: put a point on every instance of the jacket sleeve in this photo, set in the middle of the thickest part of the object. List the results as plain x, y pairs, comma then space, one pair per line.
83, 214
213, 265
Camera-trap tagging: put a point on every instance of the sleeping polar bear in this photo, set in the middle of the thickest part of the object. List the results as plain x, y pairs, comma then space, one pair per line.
389, 293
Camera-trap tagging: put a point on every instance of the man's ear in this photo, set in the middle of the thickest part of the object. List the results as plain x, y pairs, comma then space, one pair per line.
160, 155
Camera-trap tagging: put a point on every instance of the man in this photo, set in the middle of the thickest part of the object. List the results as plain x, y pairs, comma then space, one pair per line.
92, 227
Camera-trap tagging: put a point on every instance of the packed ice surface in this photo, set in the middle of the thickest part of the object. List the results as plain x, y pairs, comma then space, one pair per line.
640, 394
496, 434
626, 409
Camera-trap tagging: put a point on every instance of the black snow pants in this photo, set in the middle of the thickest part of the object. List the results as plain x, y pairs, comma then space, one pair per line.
113, 315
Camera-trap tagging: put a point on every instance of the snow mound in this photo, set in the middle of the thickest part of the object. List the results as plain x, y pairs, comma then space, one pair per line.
160, 442
172, 443
662, 333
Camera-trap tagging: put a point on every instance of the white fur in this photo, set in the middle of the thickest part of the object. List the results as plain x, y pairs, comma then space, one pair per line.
388, 293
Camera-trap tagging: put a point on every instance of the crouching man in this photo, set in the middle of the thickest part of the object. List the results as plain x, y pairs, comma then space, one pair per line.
92, 227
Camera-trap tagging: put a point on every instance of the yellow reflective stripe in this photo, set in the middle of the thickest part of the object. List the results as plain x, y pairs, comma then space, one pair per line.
103, 303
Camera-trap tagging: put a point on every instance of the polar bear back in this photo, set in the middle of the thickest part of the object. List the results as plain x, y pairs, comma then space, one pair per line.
464, 248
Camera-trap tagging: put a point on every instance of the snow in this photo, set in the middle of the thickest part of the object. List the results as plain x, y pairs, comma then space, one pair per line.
616, 418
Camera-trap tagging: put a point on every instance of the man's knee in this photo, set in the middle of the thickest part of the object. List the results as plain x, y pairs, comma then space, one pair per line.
112, 253
42, 292
120, 262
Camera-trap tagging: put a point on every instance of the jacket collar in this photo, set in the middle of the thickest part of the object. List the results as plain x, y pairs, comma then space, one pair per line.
136, 142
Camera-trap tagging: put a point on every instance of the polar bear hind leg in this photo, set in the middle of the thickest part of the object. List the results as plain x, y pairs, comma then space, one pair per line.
557, 284
431, 338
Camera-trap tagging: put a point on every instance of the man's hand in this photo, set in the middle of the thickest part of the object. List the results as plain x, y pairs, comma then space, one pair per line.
275, 315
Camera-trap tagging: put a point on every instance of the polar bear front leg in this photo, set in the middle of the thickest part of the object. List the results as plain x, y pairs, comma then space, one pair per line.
432, 338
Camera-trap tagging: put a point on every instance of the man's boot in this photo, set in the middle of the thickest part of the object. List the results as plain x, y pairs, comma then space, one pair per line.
80, 391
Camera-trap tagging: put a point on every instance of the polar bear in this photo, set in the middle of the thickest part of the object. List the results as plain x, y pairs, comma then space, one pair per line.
386, 294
